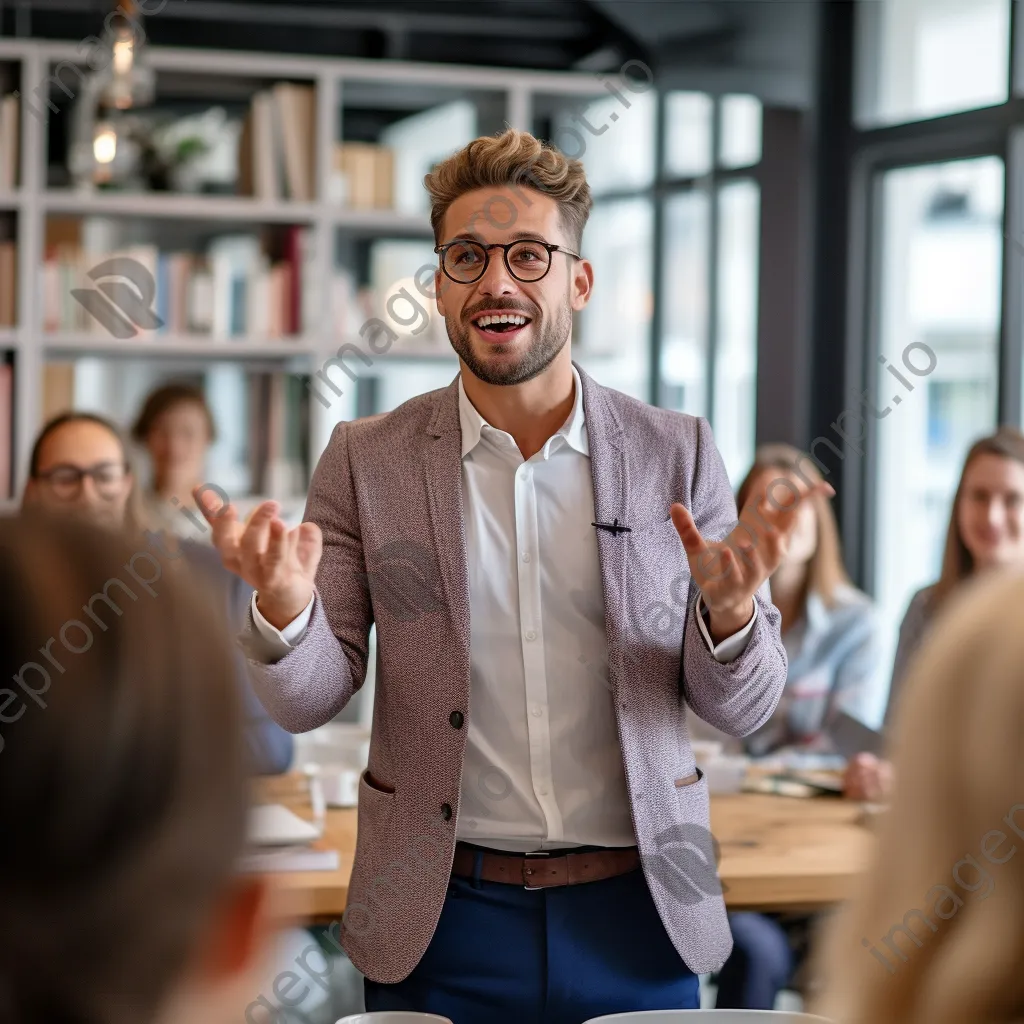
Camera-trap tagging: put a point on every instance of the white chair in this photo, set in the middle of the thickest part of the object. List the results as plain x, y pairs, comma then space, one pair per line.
394, 1017
709, 1017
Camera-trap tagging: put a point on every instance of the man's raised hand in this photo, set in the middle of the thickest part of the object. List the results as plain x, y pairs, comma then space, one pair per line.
278, 563
729, 572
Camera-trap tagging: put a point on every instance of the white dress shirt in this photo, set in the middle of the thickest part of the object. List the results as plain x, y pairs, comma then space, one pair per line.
543, 765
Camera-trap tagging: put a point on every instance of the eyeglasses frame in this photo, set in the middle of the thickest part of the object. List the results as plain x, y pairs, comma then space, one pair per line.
442, 249
91, 472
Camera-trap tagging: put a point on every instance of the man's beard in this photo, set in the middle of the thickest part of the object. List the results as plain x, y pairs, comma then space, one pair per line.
549, 341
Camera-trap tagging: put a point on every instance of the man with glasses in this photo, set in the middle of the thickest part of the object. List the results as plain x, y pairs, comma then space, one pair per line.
78, 467
543, 558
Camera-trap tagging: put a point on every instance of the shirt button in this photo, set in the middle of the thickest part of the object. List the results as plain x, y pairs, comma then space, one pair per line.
446, 811
456, 718
531, 634
542, 790
537, 712
526, 556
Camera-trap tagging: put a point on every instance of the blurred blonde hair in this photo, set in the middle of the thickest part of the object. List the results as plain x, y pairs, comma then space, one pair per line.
957, 561
958, 774
826, 572
510, 160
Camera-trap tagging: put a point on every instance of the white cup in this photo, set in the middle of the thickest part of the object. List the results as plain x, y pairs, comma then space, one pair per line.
394, 1017
339, 783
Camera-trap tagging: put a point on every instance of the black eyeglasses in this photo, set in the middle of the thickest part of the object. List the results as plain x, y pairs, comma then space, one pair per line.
528, 260
65, 480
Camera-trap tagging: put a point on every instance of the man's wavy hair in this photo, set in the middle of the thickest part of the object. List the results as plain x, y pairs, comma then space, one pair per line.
512, 159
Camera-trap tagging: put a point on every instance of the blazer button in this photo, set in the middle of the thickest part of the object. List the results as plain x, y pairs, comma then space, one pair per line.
456, 719
446, 811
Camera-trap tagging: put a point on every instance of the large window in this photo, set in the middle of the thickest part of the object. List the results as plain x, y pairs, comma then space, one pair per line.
709, 271
923, 58
674, 249
936, 376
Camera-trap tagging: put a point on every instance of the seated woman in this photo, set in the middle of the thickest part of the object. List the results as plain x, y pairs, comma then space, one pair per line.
79, 468
123, 794
986, 531
176, 428
934, 933
832, 639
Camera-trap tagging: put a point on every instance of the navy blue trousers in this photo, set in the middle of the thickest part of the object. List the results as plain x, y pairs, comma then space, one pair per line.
502, 954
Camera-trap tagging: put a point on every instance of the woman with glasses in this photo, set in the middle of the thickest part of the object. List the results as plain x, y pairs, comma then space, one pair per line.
79, 469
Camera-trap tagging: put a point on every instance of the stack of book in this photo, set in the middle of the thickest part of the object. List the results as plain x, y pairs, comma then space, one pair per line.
363, 176
276, 149
10, 107
233, 289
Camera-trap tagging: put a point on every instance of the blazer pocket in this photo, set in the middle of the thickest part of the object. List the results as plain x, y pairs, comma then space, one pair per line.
689, 780
367, 781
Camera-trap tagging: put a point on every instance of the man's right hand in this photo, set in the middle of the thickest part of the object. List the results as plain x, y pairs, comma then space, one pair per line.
278, 563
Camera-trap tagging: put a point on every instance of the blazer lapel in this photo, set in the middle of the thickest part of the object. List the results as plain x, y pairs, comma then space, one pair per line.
443, 466
611, 502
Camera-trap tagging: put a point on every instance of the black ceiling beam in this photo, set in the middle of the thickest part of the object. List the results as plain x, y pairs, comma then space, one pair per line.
376, 19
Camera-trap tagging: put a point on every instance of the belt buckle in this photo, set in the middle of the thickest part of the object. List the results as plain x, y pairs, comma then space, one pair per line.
535, 853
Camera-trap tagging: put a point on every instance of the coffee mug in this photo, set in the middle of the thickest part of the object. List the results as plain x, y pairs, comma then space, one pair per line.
339, 783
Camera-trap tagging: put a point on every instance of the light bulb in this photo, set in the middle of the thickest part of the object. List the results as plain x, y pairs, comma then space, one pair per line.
104, 145
124, 56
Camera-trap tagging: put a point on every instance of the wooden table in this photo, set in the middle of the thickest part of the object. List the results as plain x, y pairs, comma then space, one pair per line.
778, 853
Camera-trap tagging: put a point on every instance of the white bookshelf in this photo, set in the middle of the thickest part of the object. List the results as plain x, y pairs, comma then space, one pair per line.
336, 82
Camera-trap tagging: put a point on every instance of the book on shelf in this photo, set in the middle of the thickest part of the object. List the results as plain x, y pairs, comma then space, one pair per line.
278, 435
363, 176
235, 288
8, 283
6, 427
10, 111
58, 389
277, 144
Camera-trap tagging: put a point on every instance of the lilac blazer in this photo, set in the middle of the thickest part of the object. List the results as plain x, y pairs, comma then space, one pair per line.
387, 496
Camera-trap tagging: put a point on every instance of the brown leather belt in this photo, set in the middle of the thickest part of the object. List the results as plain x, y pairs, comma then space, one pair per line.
543, 871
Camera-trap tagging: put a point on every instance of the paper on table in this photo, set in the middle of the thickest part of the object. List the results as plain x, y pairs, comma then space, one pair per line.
289, 858
275, 825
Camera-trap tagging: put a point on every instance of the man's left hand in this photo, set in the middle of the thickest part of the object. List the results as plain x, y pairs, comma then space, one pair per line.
729, 572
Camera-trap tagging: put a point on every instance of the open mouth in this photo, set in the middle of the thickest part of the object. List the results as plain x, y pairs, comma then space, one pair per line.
497, 325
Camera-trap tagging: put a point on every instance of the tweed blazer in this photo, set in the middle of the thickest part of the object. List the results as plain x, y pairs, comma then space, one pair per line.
387, 496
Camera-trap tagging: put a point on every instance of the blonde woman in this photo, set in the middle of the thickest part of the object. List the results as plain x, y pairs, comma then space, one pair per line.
935, 934
832, 640
829, 628
986, 531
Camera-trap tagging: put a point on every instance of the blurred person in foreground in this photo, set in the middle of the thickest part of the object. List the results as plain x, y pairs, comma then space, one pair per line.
934, 932
79, 468
831, 633
176, 427
123, 795
986, 532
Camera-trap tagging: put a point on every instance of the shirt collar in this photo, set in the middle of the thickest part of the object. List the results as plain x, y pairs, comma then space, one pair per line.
573, 431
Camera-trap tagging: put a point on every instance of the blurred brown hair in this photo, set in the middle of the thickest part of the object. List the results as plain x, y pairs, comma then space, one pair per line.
827, 571
957, 561
511, 159
123, 799
168, 397
959, 776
